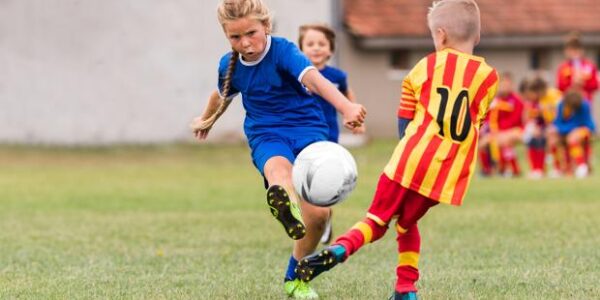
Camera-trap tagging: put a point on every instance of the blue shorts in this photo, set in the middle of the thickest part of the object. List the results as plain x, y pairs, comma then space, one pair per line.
270, 145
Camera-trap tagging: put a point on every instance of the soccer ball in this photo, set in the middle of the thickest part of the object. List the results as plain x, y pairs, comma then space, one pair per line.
324, 173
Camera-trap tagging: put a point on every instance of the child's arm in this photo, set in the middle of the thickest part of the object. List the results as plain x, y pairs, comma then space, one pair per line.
591, 84
353, 113
350, 95
406, 109
212, 111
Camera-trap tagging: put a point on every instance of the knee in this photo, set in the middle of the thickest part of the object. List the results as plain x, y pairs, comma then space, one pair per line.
315, 215
377, 231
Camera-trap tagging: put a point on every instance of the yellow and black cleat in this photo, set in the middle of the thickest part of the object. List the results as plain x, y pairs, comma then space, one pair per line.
286, 212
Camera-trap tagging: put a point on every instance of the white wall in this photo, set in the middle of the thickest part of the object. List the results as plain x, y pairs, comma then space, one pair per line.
117, 71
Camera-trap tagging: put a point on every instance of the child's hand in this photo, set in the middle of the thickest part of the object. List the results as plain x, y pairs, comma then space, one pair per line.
354, 115
359, 130
200, 128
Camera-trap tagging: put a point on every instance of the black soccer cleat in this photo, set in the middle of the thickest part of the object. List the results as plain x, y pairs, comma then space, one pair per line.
286, 212
311, 266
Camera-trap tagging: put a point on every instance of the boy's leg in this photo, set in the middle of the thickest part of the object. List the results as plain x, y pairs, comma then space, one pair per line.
386, 202
412, 210
575, 144
486, 161
536, 151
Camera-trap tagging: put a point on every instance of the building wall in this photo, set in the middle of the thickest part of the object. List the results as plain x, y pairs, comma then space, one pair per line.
118, 71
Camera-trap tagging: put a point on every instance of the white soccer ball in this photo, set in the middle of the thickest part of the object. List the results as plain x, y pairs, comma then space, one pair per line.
324, 173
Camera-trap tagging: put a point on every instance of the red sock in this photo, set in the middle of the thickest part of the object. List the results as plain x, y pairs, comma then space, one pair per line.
407, 272
536, 158
510, 158
363, 232
486, 162
576, 152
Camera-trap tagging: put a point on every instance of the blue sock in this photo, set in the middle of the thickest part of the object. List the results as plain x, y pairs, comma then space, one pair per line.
290, 274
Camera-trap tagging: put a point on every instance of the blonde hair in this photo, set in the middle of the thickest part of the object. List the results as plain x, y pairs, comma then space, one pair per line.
231, 10
459, 18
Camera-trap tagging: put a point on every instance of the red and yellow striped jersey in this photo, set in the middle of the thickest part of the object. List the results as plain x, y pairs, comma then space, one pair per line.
447, 95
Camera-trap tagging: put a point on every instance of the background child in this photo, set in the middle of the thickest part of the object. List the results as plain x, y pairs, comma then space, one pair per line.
540, 110
317, 42
577, 72
573, 129
444, 100
272, 75
504, 129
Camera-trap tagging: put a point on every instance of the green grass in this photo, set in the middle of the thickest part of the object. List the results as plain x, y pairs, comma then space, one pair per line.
190, 222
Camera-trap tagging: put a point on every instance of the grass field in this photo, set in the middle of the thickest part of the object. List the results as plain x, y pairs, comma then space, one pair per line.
190, 222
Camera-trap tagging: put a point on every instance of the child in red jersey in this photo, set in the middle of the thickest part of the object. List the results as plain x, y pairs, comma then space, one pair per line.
572, 129
540, 110
577, 72
445, 98
504, 128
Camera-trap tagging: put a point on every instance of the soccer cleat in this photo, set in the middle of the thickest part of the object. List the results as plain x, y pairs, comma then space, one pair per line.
299, 289
286, 212
404, 296
311, 266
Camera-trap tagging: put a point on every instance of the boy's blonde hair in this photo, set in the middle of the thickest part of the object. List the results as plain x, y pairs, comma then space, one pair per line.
459, 18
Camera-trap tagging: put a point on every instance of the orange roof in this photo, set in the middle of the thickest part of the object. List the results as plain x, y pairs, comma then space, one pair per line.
407, 18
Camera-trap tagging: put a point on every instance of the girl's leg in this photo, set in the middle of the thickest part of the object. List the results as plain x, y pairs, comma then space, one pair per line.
282, 198
315, 219
278, 172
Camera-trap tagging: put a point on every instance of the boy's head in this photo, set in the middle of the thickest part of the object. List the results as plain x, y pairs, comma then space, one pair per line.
454, 22
317, 42
505, 87
573, 99
573, 46
246, 24
534, 88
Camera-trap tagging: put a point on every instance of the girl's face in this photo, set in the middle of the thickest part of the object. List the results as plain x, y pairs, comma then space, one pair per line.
317, 47
247, 36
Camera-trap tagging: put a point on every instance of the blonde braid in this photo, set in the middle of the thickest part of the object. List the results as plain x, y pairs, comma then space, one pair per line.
214, 115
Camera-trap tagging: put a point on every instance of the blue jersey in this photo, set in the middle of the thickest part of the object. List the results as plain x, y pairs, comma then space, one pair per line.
275, 100
338, 78
580, 118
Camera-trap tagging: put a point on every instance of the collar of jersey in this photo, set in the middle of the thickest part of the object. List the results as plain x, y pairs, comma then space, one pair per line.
256, 62
475, 57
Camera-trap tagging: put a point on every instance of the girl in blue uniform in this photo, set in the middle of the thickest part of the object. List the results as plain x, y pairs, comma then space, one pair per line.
282, 117
317, 42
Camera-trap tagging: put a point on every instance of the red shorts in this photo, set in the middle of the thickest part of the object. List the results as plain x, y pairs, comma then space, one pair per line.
393, 200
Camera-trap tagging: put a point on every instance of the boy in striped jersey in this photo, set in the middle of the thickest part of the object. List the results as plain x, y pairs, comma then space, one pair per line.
444, 99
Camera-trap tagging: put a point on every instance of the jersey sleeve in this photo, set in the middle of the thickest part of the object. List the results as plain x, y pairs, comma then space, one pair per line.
488, 98
591, 84
223, 64
292, 61
563, 77
408, 99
